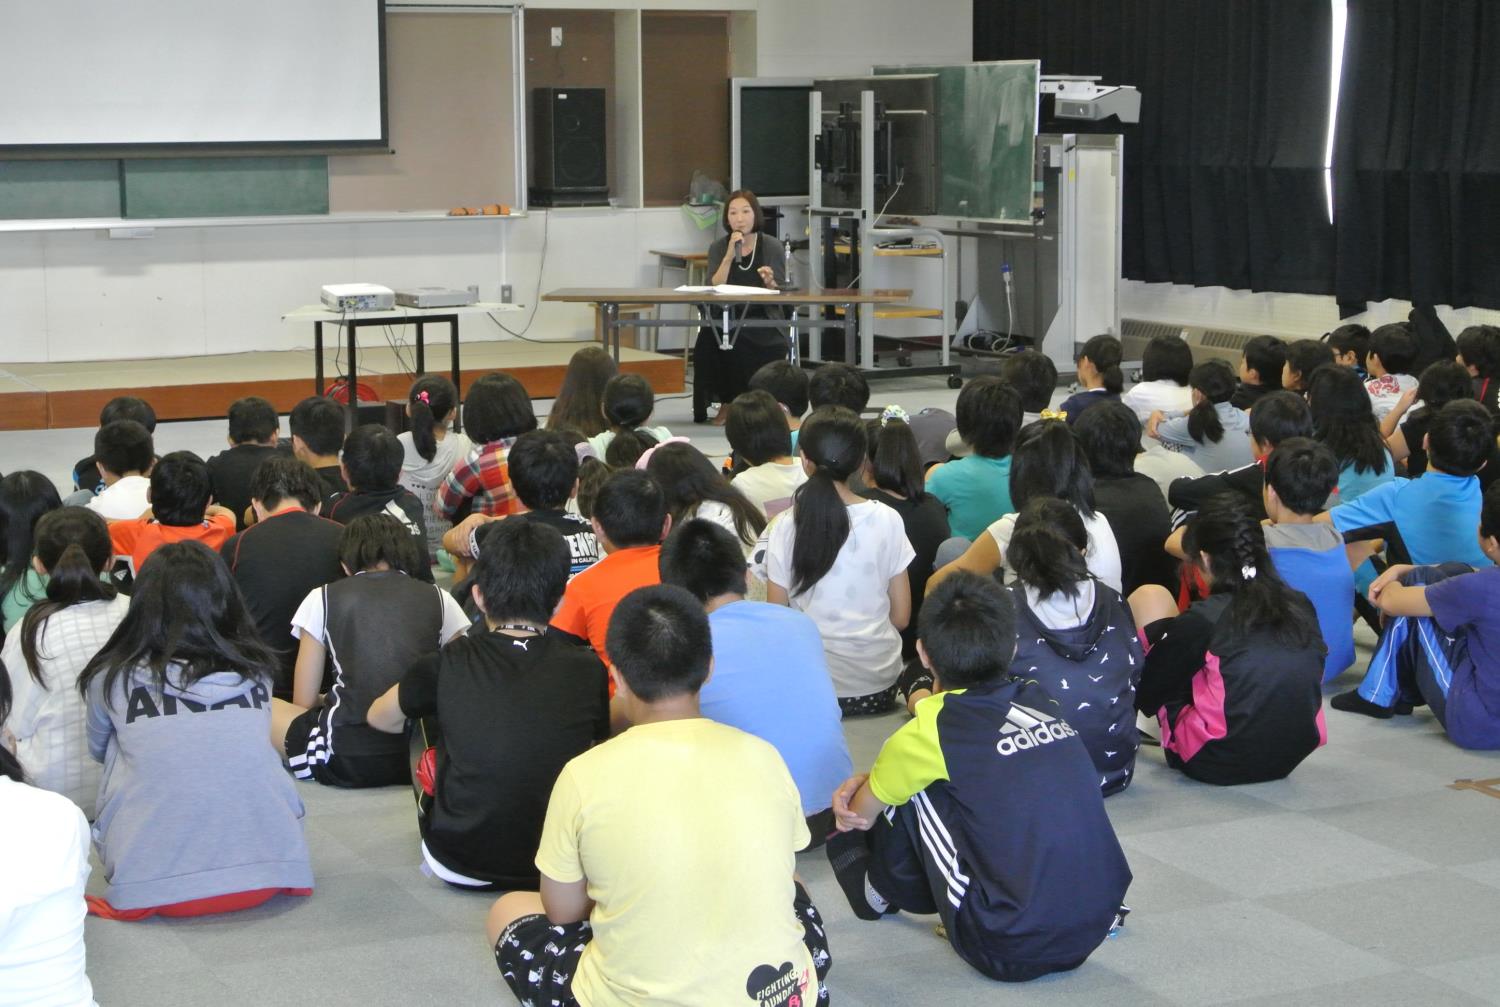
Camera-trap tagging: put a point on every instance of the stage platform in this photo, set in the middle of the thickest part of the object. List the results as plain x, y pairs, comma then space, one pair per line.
47, 396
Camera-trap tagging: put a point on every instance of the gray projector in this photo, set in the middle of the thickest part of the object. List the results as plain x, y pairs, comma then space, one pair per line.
434, 297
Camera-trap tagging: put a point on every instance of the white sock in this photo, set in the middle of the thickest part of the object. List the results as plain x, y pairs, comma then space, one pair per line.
875, 899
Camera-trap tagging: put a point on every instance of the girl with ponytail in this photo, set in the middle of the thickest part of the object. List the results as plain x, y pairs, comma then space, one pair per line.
58, 637
1236, 680
432, 448
24, 498
1100, 375
628, 404
842, 559
1214, 434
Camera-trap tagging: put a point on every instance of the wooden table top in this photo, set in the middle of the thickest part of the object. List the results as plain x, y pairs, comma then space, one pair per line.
666, 295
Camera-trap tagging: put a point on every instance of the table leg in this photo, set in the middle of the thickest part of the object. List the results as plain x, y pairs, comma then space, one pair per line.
351, 384
792, 350
453, 352
610, 310
317, 358
421, 349
849, 310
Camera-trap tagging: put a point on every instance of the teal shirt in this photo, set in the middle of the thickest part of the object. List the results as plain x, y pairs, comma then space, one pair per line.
26, 592
976, 491
1353, 485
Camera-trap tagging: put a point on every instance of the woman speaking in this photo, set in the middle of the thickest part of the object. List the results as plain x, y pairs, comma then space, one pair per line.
745, 257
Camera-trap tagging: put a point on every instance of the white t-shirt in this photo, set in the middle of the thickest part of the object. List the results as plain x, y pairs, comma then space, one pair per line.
851, 604
423, 477
1149, 396
125, 500
601, 442
770, 486
1386, 391
720, 514
1060, 610
1102, 555
44, 865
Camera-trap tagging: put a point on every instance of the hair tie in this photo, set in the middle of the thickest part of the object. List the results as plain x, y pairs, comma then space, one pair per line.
1053, 414
423, 398
1247, 572
894, 413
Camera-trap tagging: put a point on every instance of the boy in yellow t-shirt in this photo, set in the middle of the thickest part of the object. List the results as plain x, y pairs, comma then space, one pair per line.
667, 855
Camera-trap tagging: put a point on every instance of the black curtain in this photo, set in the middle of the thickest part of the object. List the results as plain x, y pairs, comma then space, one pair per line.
1417, 158
1224, 181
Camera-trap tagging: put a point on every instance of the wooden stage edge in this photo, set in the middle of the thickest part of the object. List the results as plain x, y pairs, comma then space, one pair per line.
50, 396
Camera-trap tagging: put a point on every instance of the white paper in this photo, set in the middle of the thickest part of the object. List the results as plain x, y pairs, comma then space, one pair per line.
725, 288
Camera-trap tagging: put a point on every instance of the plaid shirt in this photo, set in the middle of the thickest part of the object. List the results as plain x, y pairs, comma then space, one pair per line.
484, 477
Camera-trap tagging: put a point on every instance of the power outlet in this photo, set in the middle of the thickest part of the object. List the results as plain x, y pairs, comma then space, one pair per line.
505, 293
556, 36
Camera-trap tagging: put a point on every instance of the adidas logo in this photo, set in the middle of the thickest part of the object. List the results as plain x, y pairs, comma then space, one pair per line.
1027, 728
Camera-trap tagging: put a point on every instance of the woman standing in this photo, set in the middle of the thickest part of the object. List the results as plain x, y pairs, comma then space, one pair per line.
745, 257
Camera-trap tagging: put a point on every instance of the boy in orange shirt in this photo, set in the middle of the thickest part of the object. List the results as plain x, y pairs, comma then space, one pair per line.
180, 510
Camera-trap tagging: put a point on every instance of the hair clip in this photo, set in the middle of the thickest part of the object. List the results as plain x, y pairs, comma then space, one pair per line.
1247, 573
894, 413
1053, 414
645, 458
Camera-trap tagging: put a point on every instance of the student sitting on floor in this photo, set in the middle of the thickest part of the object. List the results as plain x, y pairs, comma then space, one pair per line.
629, 521
766, 470
179, 494
1441, 643
985, 809
87, 479
196, 813
1261, 366
123, 454
1110, 435
1100, 375
1392, 353
1236, 680
628, 404
1214, 434
1277, 416
1308, 554
496, 412
1166, 369
44, 866
788, 384
694, 488
372, 626
317, 426
1350, 345
579, 406
25, 497
1479, 352
976, 487
372, 468
47, 652
513, 703
1302, 358
1343, 421
838, 385
842, 559
1405, 427
253, 431
667, 858
779, 693
1034, 377
286, 553
431, 449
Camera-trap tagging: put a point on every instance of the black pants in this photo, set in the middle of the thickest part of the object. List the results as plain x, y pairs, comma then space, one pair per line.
719, 375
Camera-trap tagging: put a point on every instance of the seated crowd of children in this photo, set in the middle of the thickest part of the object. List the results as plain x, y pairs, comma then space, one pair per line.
635, 682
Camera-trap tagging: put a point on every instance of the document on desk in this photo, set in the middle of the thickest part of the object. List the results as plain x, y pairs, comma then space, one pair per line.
724, 288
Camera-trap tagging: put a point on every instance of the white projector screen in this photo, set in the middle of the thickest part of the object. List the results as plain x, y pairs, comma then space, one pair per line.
114, 73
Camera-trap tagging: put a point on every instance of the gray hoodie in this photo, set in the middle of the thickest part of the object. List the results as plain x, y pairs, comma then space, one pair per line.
194, 801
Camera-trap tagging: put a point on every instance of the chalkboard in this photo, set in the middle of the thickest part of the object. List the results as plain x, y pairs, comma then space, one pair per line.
773, 140
224, 186
988, 113
45, 190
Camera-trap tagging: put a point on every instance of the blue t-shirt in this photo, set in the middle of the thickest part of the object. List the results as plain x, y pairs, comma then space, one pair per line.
770, 680
1311, 559
976, 491
1470, 604
1353, 485
1436, 515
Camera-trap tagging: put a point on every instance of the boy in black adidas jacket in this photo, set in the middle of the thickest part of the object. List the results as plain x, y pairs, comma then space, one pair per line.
985, 808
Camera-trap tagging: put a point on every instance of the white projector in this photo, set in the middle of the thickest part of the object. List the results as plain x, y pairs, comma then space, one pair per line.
358, 297
434, 297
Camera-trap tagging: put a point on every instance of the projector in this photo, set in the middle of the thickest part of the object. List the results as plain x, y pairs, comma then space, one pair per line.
434, 297
358, 297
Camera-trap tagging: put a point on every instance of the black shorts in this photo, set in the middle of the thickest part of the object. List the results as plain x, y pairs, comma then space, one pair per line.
538, 958
308, 754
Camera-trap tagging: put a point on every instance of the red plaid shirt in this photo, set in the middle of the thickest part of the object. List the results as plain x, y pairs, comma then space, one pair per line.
484, 477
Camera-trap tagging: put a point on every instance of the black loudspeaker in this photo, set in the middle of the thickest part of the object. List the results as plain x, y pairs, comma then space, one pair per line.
569, 165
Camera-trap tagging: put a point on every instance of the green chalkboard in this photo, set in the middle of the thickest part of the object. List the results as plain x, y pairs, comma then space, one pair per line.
988, 113
225, 186
44, 190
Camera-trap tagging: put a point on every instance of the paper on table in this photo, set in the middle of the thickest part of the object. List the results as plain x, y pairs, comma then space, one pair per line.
723, 288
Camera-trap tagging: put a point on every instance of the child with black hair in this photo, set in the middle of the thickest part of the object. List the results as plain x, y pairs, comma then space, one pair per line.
371, 626
254, 430
1405, 428
372, 468
196, 813
1166, 369
43, 871
1479, 352
179, 493
1309, 555
1351, 346
317, 426
1302, 358
1343, 420
431, 448
985, 807
1213, 433
842, 559
87, 478
1110, 435
693, 488
123, 454
628, 404
789, 385
1034, 377
679, 823
838, 385
976, 487
1441, 643
1276, 417
1389, 363
781, 694
1261, 365
630, 519
1430, 517
765, 470
24, 498
513, 703
497, 411
1236, 680
1100, 375
57, 639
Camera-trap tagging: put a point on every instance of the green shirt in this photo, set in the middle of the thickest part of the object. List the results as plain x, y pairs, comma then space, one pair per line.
26, 592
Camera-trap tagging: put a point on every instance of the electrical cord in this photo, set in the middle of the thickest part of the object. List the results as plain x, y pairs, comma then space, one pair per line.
536, 296
900, 180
